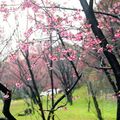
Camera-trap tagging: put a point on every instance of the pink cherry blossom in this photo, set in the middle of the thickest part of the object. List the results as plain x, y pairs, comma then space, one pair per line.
64, 52
100, 26
53, 57
87, 26
100, 50
110, 47
35, 8
97, 41
26, 4
29, 79
24, 46
74, 75
18, 85
13, 57
28, 32
4, 9
6, 96
117, 35
78, 36
71, 58
113, 40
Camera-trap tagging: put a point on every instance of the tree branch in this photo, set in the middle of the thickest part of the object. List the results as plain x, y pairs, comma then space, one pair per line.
63, 96
108, 14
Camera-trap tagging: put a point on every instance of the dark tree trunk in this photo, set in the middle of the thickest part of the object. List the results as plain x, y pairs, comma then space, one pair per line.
6, 109
7, 101
118, 109
99, 114
107, 73
69, 98
37, 97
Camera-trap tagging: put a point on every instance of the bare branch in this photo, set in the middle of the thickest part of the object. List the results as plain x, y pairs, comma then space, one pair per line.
108, 14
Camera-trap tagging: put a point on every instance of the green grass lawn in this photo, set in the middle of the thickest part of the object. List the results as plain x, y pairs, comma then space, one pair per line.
78, 111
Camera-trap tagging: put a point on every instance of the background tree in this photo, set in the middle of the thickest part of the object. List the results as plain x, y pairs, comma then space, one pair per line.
88, 9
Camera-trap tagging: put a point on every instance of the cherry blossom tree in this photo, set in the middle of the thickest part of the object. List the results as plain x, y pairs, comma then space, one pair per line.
89, 12
49, 21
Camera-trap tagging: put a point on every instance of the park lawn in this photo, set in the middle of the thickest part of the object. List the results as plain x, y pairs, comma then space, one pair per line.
78, 111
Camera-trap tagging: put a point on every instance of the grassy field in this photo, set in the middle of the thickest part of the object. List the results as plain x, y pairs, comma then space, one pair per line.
78, 111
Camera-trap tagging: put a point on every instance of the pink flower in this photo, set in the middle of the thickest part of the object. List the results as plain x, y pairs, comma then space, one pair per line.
26, 4
78, 36
113, 40
29, 79
64, 52
87, 25
28, 32
118, 95
35, 8
117, 35
71, 58
24, 46
100, 26
74, 75
100, 50
13, 57
4, 9
86, 46
33, 66
6, 96
18, 85
5, 17
53, 57
64, 34
109, 47
97, 41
